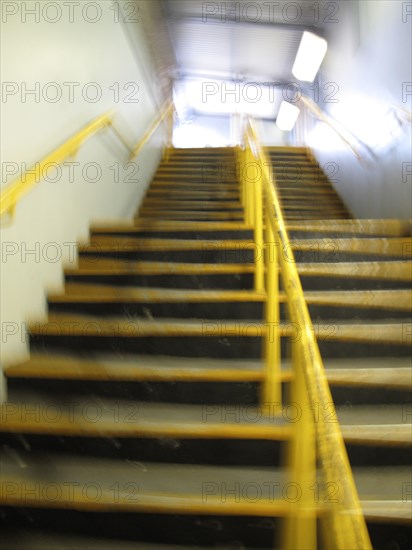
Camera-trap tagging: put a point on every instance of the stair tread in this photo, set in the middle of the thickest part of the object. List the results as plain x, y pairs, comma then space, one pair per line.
374, 376
42, 540
198, 215
174, 487
387, 246
103, 417
386, 227
80, 325
183, 225
137, 367
142, 267
385, 270
86, 293
388, 372
396, 227
137, 243
395, 246
158, 487
396, 270
374, 424
148, 294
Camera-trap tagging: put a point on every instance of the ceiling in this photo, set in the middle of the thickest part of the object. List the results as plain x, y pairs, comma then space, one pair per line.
240, 41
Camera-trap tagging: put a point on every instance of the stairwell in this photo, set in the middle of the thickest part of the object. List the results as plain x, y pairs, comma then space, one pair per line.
136, 422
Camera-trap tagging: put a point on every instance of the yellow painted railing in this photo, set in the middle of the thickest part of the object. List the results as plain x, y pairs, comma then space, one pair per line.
317, 460
165, 114
356, 146
17, 189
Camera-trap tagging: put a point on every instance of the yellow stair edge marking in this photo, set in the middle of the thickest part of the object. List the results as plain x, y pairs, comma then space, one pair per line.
183, 225
382, 435
391, 271
92, 371
110, 267
199, 215
69, 425
71, 325
401, 246
75, 291
387, 511
400, 300
149, 244
390, 377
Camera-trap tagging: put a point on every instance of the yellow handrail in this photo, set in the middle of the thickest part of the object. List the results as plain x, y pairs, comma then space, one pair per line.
402, 112
166, 112
346, 529
31, 177
16, 190
331, 122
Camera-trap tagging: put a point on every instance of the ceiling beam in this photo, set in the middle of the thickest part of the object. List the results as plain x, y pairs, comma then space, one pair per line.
215, 19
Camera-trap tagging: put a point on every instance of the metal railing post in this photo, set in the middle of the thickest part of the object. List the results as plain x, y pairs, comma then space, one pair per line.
300, 525
313, 433
272, 384
258, 236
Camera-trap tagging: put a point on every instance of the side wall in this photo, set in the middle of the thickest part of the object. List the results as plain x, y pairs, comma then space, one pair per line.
62, 67
368, 65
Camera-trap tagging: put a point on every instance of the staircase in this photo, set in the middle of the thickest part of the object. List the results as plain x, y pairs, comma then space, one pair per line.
136, 421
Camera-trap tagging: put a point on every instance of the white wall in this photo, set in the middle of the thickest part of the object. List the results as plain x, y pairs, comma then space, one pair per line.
73, 49
271, 135
369, 59
204, 131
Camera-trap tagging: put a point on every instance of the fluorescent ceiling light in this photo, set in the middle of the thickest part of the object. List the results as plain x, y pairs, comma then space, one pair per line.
287, 116
312, 50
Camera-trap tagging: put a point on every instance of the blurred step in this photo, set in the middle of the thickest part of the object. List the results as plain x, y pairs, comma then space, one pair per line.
109, 300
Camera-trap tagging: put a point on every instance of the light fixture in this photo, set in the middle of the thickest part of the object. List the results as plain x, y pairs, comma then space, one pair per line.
287, 116
312, 50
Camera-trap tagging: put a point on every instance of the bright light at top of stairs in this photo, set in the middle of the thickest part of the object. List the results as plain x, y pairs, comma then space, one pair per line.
287, 116
312, 50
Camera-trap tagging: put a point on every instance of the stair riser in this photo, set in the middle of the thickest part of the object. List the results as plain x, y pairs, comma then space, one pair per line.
234, 532
241, 281
241, 394
192, 216
184, 310
216, 310
162, 188
214, 206
247, 532
218, 452
208, 171
350, 395
182, 234
197, 178
317, 255
378, 455
166, 197
222, 452
224, 347
215, 252
208, 253
341, 234
351, 283
236, 348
